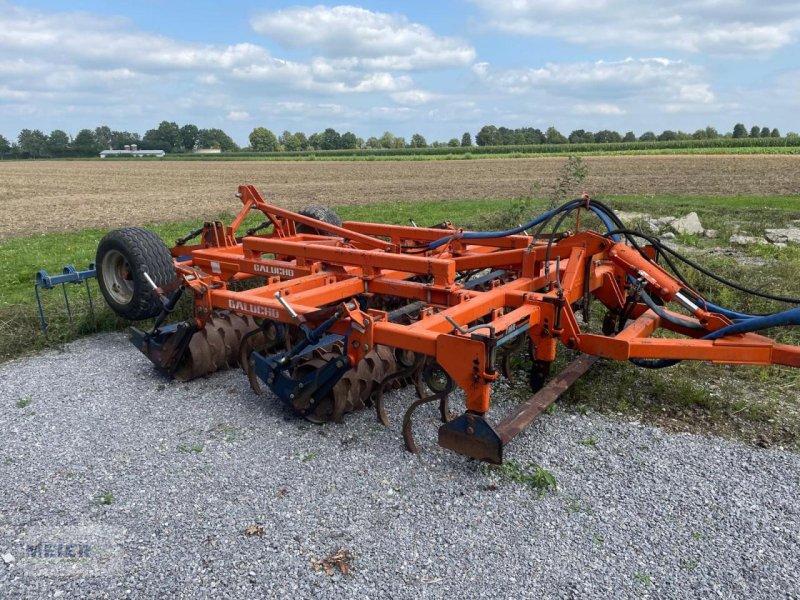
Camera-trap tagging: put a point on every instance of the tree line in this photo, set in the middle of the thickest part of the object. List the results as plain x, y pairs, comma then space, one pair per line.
264, 140
489, 135
168, 136
171, 138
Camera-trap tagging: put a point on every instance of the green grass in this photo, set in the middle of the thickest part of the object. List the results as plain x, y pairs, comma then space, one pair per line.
531, 475
194, 448
104, 498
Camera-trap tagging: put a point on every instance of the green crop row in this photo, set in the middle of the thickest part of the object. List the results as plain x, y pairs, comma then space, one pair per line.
789, 145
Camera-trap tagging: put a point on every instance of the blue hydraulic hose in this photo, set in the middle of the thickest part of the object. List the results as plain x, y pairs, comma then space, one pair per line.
732, 314
479, 235
787, 317
606, 221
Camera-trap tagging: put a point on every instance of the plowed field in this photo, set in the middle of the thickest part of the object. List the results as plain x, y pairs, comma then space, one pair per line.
44, 196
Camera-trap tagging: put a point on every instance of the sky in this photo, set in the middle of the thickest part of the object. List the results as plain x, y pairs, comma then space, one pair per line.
439, 68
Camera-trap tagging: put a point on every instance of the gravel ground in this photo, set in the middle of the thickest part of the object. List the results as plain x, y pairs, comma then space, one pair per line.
169, 477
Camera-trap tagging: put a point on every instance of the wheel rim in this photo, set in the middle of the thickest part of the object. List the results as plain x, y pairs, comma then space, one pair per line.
117, 277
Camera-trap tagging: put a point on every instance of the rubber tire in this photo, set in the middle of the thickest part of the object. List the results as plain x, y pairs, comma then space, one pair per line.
321, 214
145, 252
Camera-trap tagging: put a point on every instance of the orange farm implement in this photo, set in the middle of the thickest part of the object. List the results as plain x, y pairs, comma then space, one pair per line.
331, 315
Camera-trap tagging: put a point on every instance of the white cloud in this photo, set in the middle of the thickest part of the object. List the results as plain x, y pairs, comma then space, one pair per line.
603, 87
71, 51
714, 26
238, 115
599, 108
377, 40
415, 97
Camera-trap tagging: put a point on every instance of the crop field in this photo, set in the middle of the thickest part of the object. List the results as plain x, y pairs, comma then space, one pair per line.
57, 196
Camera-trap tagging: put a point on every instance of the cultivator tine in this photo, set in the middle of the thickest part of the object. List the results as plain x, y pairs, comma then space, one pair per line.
44, 281
444, 411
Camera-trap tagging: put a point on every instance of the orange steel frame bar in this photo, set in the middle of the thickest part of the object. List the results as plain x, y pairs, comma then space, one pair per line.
315, 271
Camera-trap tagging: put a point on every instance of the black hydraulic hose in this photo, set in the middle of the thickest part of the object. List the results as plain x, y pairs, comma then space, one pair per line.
666, 249
668, 317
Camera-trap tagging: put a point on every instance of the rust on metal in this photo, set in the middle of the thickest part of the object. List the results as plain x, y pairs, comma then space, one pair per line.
528, 411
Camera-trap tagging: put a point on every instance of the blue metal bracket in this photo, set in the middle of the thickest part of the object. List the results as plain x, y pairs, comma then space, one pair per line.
276, 371
69, 274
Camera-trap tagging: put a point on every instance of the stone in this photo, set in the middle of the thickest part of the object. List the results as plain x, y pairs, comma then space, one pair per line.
783, 236
687, 225
8, 558
658, 224
711, 234
746, 240
668, 236
630, 217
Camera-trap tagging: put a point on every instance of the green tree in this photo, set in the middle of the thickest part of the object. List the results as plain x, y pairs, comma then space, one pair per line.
349, 141
263, 140
755, 131
711, 133
216, 138
667, 136
32, 143
606, 136
330, 139
739, 131
488, 136
418, 141
775, 133
166, 137
373, 143
399, 142
466, 139
5, 147
765, 132
387, 140
288, 141
700, 134
120, 139
315, 140
453, 142
553, 136
302, 140
629, 137
579, 136
190, 135
102, 136
85, 143
57, 143
647, 136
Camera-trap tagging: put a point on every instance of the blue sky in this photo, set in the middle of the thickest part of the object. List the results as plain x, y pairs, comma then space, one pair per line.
437, 68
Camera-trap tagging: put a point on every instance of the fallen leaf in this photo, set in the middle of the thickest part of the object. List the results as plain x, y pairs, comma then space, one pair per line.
255, 530
341, 560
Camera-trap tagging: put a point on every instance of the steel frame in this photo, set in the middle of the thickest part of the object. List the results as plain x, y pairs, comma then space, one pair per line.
460, 328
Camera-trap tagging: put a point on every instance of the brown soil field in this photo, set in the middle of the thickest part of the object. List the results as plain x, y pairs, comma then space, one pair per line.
45, 196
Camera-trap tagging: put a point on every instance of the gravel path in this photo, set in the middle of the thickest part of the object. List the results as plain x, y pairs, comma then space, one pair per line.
169, 477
